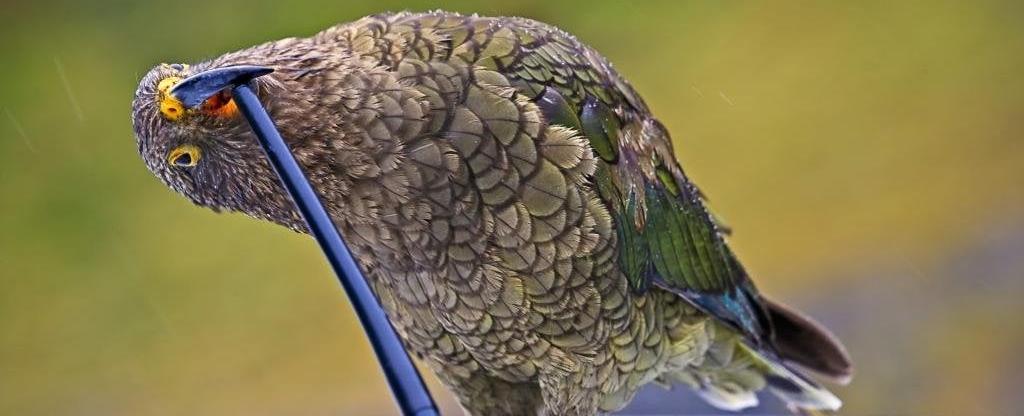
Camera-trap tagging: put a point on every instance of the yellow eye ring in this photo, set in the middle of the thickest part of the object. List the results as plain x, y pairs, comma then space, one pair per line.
185, 156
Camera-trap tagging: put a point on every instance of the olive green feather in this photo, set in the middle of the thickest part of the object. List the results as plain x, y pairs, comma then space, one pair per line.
517, 208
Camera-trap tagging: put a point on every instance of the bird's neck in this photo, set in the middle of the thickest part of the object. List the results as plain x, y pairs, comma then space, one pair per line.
357, 153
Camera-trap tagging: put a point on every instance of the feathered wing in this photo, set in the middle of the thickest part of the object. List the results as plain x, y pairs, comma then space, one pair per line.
667, 238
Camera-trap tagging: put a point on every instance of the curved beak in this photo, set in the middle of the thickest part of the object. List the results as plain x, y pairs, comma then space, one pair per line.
195, 89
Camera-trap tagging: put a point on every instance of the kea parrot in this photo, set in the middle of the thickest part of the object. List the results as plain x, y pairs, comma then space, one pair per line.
515, 205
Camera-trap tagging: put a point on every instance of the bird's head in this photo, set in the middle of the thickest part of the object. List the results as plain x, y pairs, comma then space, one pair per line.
199, 144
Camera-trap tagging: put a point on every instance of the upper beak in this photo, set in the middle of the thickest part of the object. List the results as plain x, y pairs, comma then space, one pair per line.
195, 89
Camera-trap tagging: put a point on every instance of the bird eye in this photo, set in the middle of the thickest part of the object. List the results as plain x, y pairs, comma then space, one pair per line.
185, 156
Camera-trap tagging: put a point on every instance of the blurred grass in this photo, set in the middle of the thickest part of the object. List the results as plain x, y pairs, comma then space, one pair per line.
856, 148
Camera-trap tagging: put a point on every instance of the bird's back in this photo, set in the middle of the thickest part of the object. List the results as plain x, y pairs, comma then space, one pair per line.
663, 243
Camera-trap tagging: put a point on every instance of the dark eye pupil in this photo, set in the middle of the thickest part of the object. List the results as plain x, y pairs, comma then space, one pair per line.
184, 160
177, 67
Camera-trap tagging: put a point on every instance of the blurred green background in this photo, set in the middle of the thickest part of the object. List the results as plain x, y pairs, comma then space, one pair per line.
868, 155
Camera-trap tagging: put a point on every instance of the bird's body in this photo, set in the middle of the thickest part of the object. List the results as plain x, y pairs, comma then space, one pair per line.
514, 203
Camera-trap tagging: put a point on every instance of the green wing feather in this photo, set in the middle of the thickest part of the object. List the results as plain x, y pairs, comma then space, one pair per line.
678, 246
666, 236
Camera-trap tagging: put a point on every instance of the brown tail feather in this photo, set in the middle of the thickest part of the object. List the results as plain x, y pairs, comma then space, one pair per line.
800, 340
